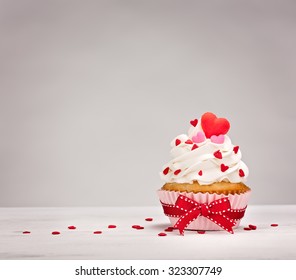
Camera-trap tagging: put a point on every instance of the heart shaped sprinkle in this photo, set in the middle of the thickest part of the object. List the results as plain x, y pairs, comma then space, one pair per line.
168, 230
194, 147
55, 233
137, 227
200, 172
223, 167
177, 171
212, 125
166, 171
199, 137
149, 219
178, 142
201, 231
235, 149
71, 227
241, 173
274, 225
247, 228
218, 154
218, 139
172, 228
194, 122
26, 232
189, 142
162, 234
97, 232
252, 227
112, 226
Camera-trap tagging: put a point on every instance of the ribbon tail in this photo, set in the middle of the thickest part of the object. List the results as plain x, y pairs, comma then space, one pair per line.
186, 219
223, 222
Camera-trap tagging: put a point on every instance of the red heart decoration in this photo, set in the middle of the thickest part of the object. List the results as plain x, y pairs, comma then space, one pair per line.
212, 125
166, 171
194, 147
177, 142
235, 149
223, 167
241, 173
218, 154
189, 142
177, 172
194, 122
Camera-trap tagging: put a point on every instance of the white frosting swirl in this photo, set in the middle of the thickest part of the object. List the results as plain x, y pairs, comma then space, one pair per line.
201, 165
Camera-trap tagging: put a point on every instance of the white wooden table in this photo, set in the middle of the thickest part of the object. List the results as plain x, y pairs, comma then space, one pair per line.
124, 242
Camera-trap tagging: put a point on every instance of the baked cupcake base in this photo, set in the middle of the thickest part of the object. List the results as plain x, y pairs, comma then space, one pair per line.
217, 187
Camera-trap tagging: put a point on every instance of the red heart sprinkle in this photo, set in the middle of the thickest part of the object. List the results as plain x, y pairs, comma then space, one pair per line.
172, 228
178, 142
201, 231
55, 233
194, 147
136, 226
177, 171
188, 142
166, 171
212, 125
194, 122
247, 228
140, 227
162, 234
26, 232
112, 226
274, 225
71, 227
218, 154
168, 230
235, 149
200, 173
253, 227
241, 173
97, 232
149, 219
223, 167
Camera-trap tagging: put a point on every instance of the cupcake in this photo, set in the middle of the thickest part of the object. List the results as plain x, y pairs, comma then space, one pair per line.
204, 183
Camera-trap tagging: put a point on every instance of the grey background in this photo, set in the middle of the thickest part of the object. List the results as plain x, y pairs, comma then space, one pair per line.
92, 93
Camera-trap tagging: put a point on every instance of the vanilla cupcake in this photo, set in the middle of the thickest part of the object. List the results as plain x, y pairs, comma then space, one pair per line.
204, 184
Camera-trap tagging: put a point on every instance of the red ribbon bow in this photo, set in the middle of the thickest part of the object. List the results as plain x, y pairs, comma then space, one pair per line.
218, 211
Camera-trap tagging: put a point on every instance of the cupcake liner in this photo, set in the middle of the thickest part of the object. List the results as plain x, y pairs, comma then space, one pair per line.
237, 201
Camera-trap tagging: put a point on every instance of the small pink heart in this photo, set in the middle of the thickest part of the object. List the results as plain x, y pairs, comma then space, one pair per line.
199, 137
218, 139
